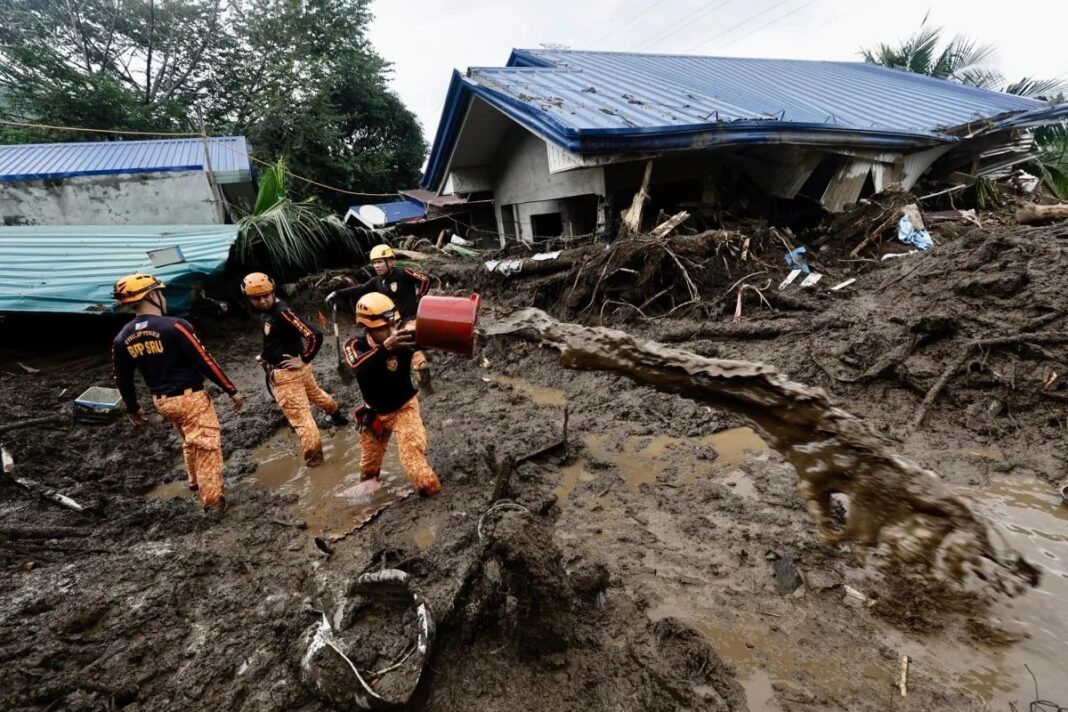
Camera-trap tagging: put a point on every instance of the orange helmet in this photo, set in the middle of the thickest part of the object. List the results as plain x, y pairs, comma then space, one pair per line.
134, 287
257, 284
375, 310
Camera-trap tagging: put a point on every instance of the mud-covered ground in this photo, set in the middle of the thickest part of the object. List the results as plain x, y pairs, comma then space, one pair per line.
641, 576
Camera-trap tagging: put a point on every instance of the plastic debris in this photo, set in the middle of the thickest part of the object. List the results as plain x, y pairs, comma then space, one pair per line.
795, 259
505, 267
811, 280
842, 285
911, 231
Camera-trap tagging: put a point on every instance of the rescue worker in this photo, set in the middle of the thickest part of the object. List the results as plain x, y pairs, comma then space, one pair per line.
289, 345
405, 288
173, 363
381, 358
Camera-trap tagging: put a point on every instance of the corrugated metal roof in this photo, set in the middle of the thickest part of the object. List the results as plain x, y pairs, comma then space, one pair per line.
376, 215
611, 102
65, 160
73, 268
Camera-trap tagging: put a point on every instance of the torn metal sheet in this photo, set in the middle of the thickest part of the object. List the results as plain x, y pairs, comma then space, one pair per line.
72, 268
844, 187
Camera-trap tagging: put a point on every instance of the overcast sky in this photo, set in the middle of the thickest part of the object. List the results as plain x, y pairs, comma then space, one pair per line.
426, 40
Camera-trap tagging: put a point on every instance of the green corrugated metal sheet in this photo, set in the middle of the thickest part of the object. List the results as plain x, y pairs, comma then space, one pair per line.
72, 269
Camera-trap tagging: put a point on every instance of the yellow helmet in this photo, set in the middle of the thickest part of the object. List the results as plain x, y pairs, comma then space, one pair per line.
134, 287
257, 284
375, 310
382, 252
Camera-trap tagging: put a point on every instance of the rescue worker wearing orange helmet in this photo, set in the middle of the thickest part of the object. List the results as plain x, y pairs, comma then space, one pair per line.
381, 359
289, 345
404, 287
173, 363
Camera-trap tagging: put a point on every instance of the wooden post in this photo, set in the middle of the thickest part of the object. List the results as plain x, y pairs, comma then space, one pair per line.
216, 193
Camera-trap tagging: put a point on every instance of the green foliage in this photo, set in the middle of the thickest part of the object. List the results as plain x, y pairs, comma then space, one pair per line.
961, 60
1051, 165
297, 77
290, 235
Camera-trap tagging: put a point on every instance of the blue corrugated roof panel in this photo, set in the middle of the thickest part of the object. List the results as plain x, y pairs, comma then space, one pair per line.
401, 210
73, 268
600, 102
65, 160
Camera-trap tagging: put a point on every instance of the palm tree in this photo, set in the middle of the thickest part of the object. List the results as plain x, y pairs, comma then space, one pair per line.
960, 60
290, 234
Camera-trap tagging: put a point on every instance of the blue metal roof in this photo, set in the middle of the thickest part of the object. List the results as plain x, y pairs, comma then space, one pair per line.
73, 268
395, 212
608, 102
65, 160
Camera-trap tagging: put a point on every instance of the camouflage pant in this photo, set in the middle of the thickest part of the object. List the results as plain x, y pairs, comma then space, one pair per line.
193, 416
295, 390
407, 423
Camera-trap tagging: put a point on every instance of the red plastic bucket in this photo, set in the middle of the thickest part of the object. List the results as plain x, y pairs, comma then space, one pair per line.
447, 324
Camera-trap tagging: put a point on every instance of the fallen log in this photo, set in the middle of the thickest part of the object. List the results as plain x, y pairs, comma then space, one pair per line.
1032, 214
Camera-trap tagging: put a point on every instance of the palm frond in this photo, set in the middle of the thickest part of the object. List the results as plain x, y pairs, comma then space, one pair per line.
291, 234
982, 78
961, 55
1031, 87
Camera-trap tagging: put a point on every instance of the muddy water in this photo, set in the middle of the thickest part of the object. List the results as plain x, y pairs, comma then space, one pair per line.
538, 394
639, 460
1032, 517
331, 501
892, 500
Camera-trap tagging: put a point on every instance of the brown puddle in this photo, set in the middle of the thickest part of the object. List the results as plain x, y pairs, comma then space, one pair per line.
170, 490
640, 459
538, 394
327, 500
1031, 516
330, 499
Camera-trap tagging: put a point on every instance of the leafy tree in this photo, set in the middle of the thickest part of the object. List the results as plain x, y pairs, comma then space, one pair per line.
961, 60
297, 77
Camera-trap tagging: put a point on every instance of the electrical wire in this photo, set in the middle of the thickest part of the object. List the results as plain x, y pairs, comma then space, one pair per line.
732, 28
202, 136
767, 25
602, 38
699, 13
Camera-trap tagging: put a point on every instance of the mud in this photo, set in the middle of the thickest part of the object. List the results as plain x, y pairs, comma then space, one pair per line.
891, 500
654, 596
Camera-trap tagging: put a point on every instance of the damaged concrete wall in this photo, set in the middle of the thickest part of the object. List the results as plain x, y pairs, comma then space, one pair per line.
521, 177
166, 198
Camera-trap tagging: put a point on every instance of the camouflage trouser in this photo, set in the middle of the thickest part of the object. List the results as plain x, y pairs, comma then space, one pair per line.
407, 423
193, 416
295, 390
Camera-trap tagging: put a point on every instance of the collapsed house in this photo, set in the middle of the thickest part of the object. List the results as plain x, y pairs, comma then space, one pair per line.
560, 139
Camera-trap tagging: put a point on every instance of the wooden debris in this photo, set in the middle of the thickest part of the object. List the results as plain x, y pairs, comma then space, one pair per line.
1031, 214
632, 216
48, 493
904, 681
668, 226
